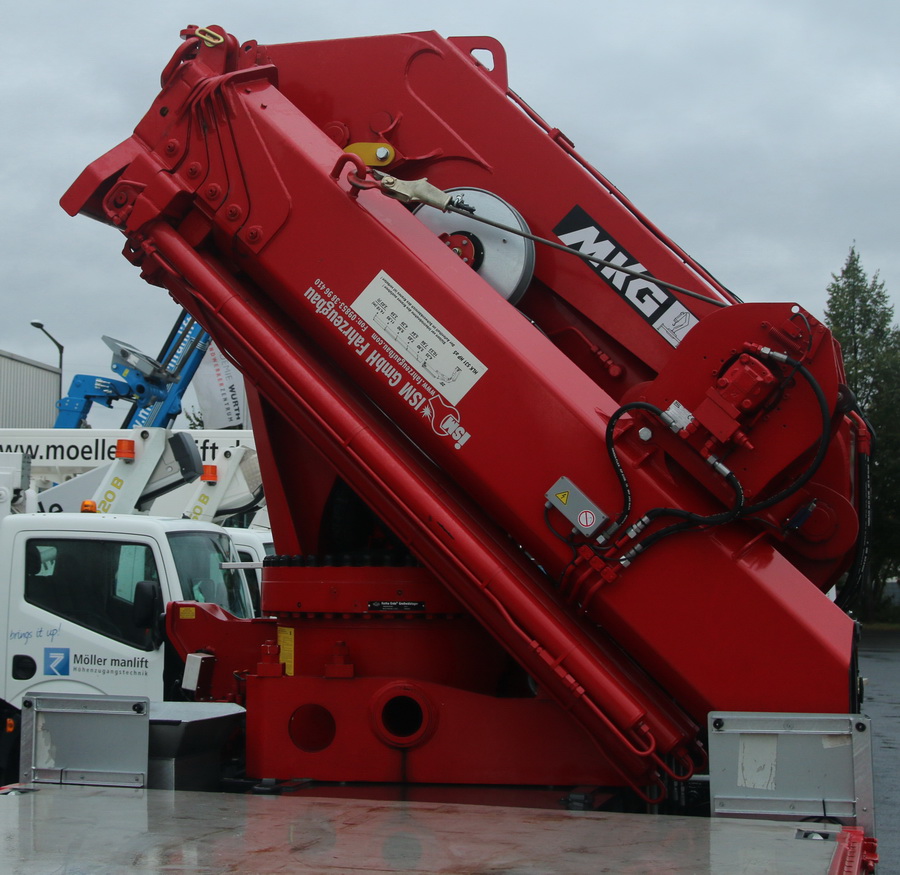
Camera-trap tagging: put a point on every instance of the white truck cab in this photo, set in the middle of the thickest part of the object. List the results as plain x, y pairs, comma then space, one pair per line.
82, 594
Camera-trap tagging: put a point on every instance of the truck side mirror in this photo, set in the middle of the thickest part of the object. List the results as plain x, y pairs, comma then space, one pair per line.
147, 605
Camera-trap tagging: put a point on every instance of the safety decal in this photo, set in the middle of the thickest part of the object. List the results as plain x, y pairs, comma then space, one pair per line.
587, 519
575, 506
286, 645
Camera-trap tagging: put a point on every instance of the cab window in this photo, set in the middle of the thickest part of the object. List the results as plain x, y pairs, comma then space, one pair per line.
90, 582
198, 558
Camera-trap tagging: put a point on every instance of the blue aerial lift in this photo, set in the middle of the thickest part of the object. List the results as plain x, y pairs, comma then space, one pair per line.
155, 387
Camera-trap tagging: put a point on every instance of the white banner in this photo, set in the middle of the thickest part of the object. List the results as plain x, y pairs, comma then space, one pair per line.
220, 392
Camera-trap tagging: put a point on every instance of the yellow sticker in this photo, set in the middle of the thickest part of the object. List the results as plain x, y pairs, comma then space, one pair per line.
286, 643
187, 613
563, 497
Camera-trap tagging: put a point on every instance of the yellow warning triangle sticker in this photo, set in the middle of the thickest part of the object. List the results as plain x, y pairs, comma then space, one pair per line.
563, 497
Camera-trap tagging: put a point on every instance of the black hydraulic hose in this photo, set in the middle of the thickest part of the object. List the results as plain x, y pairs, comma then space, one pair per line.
805, 477
726, 516
859, 570
858, 573
715, 519
614, 457
691, 521
738, 510
650, 540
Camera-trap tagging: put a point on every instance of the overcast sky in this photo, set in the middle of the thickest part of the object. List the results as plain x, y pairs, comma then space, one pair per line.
760, 135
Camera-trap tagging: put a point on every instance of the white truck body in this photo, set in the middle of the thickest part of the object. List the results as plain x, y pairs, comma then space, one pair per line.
69, 589
60, 454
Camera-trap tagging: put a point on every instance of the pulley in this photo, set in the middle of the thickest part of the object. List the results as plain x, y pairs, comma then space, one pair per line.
504, 260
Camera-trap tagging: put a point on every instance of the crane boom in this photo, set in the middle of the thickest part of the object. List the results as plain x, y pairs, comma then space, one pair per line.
464, 345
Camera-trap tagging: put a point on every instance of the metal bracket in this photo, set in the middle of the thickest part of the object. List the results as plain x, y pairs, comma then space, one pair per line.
809, 767
76, 739
677, 417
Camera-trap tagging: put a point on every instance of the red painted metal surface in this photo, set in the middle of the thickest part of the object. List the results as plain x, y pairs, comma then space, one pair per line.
377, 356
855, 853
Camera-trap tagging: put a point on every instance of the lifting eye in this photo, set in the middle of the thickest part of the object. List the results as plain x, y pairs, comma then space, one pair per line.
485, 57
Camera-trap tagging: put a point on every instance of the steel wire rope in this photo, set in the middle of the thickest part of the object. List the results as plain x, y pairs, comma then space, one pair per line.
591, 259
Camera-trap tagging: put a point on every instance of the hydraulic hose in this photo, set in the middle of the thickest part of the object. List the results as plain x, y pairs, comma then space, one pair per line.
614, 458
805, 477
859, 570
738, 510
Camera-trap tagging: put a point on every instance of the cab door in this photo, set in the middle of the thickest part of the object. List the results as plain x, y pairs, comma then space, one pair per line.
71, 622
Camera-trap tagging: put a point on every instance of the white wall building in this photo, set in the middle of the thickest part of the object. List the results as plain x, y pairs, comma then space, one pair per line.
29, 391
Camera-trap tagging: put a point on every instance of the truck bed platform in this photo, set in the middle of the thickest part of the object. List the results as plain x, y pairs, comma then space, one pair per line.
53, 828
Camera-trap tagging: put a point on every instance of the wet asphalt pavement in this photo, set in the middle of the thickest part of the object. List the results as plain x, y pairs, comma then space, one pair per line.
880, 664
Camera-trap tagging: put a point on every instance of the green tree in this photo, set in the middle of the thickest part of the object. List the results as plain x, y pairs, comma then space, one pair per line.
194, 417
861, 315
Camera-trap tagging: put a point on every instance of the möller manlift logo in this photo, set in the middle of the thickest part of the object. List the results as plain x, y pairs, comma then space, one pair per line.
56, 661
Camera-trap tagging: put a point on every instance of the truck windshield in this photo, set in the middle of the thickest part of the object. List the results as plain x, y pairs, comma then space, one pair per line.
198, 558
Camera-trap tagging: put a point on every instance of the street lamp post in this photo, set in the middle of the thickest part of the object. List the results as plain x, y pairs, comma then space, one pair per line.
40, 326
